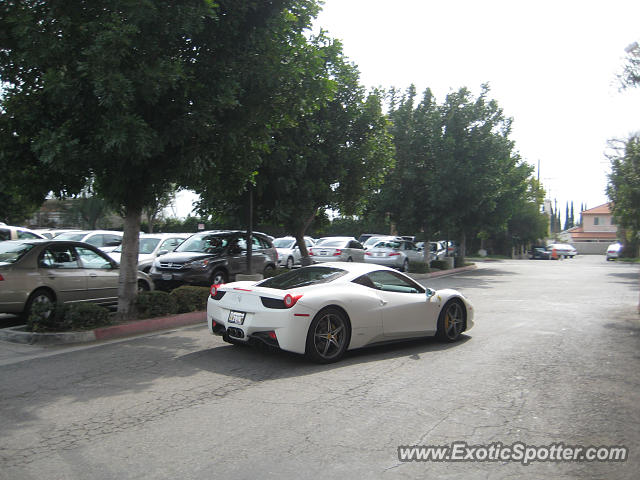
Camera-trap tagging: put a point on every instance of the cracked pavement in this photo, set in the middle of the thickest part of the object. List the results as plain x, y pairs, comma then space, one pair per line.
554, 357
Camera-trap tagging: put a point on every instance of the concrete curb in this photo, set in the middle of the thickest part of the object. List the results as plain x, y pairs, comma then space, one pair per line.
19, 335
442, 273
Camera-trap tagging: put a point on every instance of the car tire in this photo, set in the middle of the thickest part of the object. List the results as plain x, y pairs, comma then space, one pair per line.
451, 321
349, 259
143, 286
268, 270
405, 265
289, 264
39, 296
328, 336
219, 277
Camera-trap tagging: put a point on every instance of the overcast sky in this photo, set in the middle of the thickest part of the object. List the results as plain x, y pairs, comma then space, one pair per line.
551, 66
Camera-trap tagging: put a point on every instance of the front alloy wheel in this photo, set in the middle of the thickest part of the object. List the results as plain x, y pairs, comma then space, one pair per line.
328, 336
451, 321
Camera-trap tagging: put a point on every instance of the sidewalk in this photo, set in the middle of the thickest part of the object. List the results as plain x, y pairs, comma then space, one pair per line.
19, 335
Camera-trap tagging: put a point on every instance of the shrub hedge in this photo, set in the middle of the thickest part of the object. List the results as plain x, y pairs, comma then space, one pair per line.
75, 316
155, 303
190, 299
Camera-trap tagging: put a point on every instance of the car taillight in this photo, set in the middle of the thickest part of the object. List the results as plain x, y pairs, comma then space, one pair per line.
1, 277
214, 289
367, 253
393, 254
337, 252
311, 251
291, 300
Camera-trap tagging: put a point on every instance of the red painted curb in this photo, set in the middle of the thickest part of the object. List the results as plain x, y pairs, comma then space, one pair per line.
150, 325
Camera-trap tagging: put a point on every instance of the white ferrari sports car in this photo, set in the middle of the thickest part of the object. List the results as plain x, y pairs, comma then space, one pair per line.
323, 310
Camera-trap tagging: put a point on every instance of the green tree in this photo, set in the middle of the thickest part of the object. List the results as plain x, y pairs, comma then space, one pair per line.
330, 158
623, 187
141, 95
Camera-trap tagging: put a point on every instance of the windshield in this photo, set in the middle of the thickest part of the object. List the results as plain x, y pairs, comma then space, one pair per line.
391, 245
333, 243
283, 242
11, 252
303, 277
75, 237
147, 246
204, 243
372, 241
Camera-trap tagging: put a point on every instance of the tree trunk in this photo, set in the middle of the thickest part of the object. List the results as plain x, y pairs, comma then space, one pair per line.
302, 245
463, 249
128, 281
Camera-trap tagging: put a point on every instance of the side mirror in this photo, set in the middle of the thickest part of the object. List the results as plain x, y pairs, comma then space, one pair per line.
162, 252
430, 293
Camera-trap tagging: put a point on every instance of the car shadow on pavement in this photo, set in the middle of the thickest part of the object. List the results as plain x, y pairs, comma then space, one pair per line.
261, 364
629, 278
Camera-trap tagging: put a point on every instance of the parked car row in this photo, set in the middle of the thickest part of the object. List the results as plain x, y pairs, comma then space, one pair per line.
552, 251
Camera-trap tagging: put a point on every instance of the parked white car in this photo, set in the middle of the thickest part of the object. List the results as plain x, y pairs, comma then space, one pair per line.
337, 249
371, 241
563, 249
152, 245
9, 232
105, 240
394, 253
613, 251
289, 252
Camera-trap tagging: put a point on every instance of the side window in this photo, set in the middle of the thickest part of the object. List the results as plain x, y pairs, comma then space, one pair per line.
111, 240
365, 281
96, 240
358, 245
596, 221
23, 234
59, 256
392, 282
5, 234
257, 245
170, 244
91, 259
309, 244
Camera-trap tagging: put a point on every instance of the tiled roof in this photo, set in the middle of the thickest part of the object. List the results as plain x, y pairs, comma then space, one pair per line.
599, 210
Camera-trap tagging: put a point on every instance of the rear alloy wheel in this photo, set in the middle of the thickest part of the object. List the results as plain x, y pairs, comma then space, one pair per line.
328, 336
451, 321
44, 301
219, 277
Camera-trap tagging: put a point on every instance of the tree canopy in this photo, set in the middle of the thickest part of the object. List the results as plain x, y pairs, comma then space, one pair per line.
137, 96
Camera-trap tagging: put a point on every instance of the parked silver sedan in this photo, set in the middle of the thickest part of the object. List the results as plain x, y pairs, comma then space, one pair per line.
337, 249
394, 253
50, 271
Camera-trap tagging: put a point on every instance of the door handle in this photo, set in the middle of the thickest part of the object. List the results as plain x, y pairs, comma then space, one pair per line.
93, 275
383, 302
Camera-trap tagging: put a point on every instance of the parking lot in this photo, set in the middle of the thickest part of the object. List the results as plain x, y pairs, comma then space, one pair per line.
553, 359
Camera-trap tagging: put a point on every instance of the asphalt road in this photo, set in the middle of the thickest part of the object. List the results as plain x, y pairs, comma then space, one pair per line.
554, 358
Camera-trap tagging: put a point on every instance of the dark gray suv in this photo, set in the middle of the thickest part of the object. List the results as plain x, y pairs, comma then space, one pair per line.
212, 257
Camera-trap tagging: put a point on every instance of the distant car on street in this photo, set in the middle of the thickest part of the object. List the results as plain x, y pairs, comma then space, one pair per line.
613, 251
562, 250
539, 253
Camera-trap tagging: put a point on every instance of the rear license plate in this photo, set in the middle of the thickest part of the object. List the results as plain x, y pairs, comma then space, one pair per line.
324, 252
167, 276
236, 317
